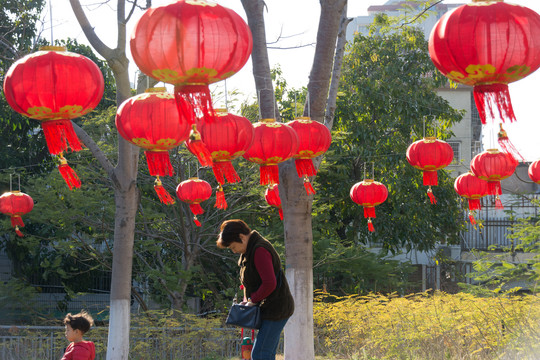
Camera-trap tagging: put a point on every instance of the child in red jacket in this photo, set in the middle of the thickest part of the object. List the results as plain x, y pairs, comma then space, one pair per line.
76, 327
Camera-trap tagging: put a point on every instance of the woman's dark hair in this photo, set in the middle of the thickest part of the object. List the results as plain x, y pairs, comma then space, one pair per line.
81, 321
230, 232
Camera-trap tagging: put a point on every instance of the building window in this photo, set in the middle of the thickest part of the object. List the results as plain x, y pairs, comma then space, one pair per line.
456, 148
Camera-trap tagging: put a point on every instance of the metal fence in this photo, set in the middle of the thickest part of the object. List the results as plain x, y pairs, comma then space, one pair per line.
48, 343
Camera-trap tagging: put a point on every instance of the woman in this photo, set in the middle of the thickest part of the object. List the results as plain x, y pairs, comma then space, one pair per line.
264, 283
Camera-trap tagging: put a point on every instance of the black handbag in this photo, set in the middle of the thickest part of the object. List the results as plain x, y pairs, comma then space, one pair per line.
244, 316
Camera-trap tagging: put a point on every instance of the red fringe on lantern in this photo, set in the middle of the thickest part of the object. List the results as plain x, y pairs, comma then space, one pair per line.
369, 212
269, 174
59, 134
196, 209
197, 147
370, 226
162, 193
432, 198
221, 202
498, 203
69, 175
194, 103
280, 210
308, 187
18, 232
475, 204
196, 221
225, 170
305, 167
430, 178
507, 145
489, 98
471, 218
16, 220
159, 163
494, 188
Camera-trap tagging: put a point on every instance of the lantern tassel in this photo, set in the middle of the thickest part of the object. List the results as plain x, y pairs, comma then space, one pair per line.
494, 188
475, 204
280, 211
69, 175
196, 209
225, 170
162, 193
269, 174
59, 134
370, 226
507, 145
498, 203
432, 197
305, 167
308, 186
159, 163
196, 221
194, 103
489, 98
18, 232
197, 147
369, 212
16, 220
471, 218
430, 178
221, 202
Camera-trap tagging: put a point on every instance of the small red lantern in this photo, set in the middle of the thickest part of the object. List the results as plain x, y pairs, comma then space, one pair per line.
190, 44
151, 121
273, 143
313, 140
494, 166
194, 191
487, 44
369, 193
15, 204
472, 188
226, 138
54, 86
534, 171
430, 155
271, 195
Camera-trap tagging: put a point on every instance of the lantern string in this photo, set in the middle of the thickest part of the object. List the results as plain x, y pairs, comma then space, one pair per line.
308, 105
364, 170
295, 106
373, 170
10, 182
51, 20
226, 100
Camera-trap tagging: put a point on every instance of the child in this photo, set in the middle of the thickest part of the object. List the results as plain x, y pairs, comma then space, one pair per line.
76, 327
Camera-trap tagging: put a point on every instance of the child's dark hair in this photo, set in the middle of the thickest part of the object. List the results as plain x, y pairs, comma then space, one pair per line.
230, 232
81, 321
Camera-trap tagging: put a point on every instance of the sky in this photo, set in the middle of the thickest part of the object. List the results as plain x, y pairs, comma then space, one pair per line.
292, 26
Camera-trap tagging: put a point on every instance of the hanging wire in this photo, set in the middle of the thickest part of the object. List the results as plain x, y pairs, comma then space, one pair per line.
308, 106
10, 182
226, 101
423, 127
259, 104
373, 170
364, 170
51, 19
295, 106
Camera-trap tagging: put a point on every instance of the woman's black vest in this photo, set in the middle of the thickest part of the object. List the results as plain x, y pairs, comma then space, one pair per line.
279, 304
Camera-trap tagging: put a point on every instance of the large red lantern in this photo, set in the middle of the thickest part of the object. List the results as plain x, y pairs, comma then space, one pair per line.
487, 44
473, 189
226, 138
494, 166
430, 155
15, 204
151, 121
313, 140
369, 193
273, 143
194, 191
190, 44
534, 171
54, 86
271, 195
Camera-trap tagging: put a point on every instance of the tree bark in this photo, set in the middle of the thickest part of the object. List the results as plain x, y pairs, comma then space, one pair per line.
126, 196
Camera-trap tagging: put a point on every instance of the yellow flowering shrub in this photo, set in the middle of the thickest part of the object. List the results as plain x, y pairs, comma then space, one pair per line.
427, 326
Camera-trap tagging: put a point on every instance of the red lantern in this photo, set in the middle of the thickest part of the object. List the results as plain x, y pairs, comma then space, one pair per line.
151, 121
313, 140
194, 191
190, 44
227, 137
472, 188
494, 166
271, 195
430, 155
15, 204
534, 171
53, 86
369, 193
273, 143
487, 44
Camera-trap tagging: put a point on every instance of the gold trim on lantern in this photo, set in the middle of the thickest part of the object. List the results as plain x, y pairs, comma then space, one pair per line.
493, 151
369, 181
430, 139
156, 89
52, 48
195, 179
269, 120
221, 112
